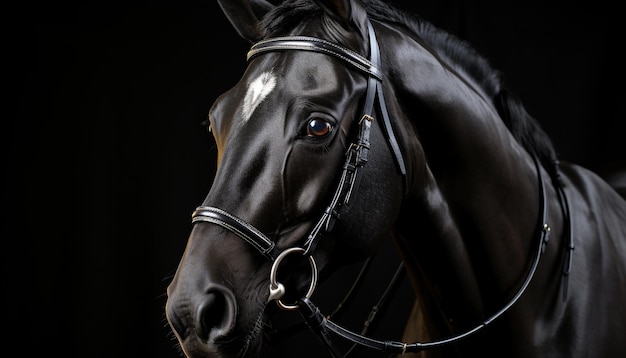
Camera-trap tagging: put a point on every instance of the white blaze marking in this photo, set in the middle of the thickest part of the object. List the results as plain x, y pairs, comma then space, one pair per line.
257, 92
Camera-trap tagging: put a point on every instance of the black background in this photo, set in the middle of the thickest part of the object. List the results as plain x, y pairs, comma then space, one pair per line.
104, 158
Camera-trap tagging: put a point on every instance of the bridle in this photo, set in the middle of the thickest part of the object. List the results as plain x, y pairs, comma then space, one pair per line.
356, 158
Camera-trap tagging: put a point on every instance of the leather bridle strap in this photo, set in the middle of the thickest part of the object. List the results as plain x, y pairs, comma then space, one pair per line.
237, 226
314, 44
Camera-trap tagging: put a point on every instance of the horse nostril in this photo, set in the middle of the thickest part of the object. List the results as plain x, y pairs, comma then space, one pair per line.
211, 312
216, 313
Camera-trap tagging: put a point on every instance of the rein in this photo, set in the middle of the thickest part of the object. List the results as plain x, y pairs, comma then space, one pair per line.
318, 323
356, 158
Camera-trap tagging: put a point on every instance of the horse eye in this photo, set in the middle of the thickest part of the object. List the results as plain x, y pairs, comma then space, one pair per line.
318, 127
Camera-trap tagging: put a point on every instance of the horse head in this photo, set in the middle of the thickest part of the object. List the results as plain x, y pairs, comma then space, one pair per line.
282, 134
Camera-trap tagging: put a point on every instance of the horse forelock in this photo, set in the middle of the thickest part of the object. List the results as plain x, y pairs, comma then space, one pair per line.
288, 14
455, 51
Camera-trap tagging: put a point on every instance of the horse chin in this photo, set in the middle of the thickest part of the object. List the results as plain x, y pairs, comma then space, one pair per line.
239, 345
236, 349
250, 345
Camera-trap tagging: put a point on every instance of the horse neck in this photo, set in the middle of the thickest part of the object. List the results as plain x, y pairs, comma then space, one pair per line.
467, 231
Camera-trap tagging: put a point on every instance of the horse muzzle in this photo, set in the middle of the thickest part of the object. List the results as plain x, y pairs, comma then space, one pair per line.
204, 321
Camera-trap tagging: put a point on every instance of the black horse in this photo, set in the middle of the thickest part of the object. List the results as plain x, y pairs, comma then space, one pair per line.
354, 120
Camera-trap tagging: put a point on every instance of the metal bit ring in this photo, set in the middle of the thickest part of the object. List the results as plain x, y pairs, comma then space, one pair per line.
277, 290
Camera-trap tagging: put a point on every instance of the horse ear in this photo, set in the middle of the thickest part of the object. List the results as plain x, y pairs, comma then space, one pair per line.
349, 13
244, 16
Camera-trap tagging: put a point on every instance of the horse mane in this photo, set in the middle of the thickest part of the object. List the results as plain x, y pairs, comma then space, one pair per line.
525, 129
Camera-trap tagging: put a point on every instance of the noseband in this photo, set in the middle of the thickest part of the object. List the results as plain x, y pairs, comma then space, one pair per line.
356, 158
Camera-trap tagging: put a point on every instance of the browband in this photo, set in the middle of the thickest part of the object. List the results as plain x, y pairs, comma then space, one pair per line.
305, 43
